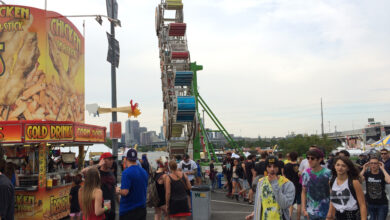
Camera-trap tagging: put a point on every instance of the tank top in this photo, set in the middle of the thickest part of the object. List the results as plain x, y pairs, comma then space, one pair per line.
92, 216
160, 189
342, 198
178, 202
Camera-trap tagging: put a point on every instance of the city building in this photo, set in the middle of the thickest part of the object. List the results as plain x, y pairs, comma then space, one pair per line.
132, 132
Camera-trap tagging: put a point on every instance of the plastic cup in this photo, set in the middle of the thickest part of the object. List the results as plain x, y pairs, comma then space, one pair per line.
107, 202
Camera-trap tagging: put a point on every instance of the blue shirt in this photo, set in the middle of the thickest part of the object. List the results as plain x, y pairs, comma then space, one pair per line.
134, 179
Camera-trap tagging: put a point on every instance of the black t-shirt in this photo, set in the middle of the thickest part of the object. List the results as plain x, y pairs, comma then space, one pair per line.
108, 186
249, 165
291, 172
281, 166
375, 188
7, 198
260, 168
228, 169
74, 201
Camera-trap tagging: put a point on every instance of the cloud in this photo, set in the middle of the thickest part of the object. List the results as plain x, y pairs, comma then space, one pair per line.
266, 63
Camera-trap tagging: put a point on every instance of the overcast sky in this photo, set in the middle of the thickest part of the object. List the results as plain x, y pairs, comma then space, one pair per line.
266, 63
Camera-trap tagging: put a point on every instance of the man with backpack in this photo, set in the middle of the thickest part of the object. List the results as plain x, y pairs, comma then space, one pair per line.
376, 180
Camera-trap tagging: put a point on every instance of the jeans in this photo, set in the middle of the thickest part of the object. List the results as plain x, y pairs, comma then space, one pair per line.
213, 183
377, 212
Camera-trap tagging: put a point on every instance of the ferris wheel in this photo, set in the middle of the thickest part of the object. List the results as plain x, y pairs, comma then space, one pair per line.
183, 129
179, 116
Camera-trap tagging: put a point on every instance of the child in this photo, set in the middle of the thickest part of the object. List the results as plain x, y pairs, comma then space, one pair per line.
74, 199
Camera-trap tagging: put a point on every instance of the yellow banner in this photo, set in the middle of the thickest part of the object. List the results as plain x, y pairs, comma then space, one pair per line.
41, 66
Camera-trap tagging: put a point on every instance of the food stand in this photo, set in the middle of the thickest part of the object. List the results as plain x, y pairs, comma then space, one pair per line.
45, 173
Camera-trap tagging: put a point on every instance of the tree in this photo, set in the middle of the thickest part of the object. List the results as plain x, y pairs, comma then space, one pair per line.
108, 142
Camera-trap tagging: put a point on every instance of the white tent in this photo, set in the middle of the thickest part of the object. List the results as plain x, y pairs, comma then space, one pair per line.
92, 148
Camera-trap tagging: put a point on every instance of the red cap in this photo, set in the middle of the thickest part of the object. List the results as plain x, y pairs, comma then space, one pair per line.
106, 155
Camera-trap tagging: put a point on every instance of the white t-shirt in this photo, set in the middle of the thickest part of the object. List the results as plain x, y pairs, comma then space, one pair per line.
190, 166
342, 198
304, 165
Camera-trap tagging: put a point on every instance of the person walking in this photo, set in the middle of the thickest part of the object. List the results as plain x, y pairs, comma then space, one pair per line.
93, 206
227, 168
7, 194
346, 194
75, 212
385, 156
160, 176
188, 167
133, 188
237, 174
250, 173
376, 179
145, 163
198, 178
177, 186
304, 164
291, 172
315, 187
274, 194
212, 175
11, 174
108, 181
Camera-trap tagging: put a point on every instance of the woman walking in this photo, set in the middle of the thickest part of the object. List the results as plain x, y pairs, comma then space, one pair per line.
91, 197
346, 194
160, 176
237, 173
177, 188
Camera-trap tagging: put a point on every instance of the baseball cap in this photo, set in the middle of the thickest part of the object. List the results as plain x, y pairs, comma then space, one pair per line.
132, 154
106, 155
272, 160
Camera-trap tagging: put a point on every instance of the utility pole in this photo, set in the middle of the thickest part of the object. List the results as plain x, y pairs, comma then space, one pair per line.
113, 84
322, 120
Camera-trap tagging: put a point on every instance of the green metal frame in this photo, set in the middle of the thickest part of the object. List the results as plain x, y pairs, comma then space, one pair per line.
200, 101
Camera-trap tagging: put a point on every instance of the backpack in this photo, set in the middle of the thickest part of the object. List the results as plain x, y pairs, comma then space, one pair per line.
350, 186
152, 199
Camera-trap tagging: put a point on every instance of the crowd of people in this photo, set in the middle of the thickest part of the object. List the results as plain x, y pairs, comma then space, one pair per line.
321, 189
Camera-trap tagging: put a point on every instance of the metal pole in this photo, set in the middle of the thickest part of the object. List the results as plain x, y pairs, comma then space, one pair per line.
113, 89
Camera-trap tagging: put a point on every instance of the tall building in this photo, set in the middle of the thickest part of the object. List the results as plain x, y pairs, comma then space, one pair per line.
148, 137
132, 131
161, 135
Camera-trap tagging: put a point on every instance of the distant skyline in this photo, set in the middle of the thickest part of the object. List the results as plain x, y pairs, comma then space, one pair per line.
266, 63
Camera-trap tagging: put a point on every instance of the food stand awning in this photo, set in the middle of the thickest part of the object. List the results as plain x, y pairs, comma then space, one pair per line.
66, 132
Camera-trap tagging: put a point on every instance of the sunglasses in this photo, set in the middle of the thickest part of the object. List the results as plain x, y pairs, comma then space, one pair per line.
311, 158
383, 153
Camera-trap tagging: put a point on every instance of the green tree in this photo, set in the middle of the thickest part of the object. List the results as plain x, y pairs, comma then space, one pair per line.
108, 142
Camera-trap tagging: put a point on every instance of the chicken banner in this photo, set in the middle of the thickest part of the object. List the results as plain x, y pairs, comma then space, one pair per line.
41, 66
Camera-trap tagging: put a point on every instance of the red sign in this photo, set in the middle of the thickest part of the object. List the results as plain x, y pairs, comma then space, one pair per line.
89, 134
115, 130
11, 133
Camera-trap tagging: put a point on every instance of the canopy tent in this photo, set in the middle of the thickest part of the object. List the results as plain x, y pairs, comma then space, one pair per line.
93, 148
383, 142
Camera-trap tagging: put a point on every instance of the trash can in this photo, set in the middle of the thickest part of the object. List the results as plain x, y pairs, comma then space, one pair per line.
201, 202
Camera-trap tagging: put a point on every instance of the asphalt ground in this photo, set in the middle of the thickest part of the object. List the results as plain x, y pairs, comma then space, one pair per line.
222, 208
